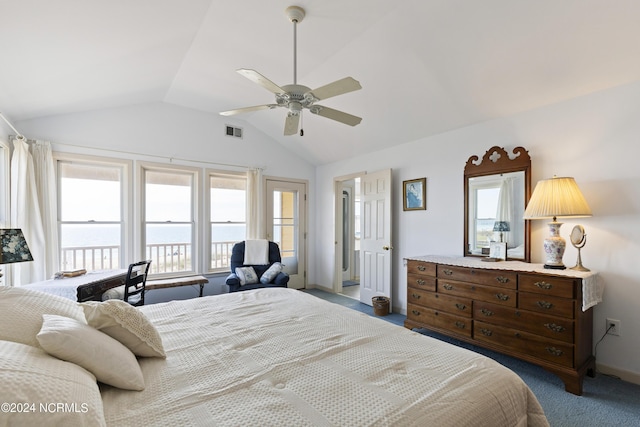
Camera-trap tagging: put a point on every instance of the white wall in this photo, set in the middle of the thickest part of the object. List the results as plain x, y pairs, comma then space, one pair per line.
595, 139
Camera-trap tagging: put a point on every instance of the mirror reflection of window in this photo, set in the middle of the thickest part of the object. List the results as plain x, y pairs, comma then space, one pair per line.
496, 198
487, 205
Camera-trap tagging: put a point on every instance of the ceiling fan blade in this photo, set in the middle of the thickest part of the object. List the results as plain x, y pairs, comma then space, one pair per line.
247, 109
336, 115
258, 78
291, 124
346, 85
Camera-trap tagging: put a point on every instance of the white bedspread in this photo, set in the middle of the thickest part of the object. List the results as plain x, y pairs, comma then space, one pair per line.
280, 357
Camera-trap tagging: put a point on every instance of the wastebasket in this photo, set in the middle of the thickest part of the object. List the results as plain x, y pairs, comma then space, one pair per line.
380, 305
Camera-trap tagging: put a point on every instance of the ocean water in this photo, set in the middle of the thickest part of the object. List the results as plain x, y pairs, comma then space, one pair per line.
82, 235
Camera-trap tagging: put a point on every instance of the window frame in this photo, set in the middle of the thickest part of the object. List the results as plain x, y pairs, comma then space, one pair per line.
126, 198
208, 243
195, 174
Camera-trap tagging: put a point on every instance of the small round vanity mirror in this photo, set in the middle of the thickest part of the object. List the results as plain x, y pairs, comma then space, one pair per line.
578, 239
578, 236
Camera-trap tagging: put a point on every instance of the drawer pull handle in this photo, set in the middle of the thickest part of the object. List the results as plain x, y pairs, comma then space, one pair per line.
460, 325
486, 312
420, 282
502, 297
517, 334
447, 271
502, 279
415, 312
486, 332
543, 285
461, 306
554, 351
447, 286
554, 327
422, 268
518, 314
415, 296
544, 304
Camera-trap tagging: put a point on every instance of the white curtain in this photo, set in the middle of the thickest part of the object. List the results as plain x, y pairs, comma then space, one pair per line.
45, 175
506, 210
28, 199
255, 205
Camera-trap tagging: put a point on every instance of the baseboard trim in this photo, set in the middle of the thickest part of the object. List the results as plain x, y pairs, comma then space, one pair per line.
628, 376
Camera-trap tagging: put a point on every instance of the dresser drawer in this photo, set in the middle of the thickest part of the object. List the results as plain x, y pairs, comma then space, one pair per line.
547, 285
421, 267
478, 292
524, 342
422, 282
552, 306
454, 305
502, 279
557, 328
439, 319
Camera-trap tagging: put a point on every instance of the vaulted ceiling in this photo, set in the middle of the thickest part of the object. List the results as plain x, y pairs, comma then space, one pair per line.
426, 66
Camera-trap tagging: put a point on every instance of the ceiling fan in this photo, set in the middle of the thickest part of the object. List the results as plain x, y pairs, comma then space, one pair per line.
295, 97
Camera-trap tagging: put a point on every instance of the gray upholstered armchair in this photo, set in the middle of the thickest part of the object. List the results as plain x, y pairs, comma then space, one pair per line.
267, 275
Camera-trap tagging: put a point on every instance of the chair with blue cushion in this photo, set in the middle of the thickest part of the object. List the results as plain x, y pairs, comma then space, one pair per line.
266, 276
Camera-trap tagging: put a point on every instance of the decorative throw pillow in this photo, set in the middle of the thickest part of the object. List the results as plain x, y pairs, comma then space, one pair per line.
21, 311
127, 324
271, 273
247, 275
111, 362
29, 376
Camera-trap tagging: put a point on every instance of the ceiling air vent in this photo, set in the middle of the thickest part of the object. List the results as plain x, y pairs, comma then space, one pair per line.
233, 131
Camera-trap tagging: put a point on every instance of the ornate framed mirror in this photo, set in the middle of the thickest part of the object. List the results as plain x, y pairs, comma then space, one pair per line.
497, 188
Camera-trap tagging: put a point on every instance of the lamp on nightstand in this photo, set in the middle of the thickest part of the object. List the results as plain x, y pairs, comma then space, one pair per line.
501, 226
553, 198
13, 247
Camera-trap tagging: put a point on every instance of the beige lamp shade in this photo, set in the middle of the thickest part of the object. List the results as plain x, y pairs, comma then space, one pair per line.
557, 197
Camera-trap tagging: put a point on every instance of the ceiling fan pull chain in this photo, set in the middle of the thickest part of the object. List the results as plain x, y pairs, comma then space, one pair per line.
302, 132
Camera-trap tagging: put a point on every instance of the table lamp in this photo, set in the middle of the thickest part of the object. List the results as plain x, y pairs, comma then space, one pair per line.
553, 198
13, 247
501, 226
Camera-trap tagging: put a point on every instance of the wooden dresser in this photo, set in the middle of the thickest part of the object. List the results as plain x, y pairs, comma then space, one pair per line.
509, 307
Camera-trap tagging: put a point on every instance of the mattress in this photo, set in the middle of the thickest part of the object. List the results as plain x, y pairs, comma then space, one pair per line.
280, 357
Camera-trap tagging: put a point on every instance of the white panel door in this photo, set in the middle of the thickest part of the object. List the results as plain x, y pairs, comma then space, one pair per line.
286, 225
375, 244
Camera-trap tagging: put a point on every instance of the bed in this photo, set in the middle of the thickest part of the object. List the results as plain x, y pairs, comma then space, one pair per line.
277, 356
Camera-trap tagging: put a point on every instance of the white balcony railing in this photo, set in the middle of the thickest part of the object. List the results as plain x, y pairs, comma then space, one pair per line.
165, 257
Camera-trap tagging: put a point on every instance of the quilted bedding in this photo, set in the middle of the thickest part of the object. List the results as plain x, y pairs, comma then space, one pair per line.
280, 357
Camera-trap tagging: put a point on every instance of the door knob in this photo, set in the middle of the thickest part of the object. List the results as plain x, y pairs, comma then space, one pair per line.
386, 248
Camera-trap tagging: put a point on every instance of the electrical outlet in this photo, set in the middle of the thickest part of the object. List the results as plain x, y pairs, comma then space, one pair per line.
615, 330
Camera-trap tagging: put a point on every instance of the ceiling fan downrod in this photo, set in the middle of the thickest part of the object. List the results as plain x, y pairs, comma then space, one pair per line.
295, 15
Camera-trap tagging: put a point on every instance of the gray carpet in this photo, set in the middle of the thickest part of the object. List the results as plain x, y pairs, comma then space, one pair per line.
606, 401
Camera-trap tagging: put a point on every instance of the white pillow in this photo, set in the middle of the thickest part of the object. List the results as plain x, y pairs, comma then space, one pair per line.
247, 275
107, 359
21, 313
271, 272
127, 324
29, 376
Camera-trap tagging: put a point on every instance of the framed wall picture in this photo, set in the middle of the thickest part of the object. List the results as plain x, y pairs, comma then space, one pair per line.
414, 194
498, 250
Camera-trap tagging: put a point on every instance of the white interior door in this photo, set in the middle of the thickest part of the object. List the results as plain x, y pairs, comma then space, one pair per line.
286, 225
375, 244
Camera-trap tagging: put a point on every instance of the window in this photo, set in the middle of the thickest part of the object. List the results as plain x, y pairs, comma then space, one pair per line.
90, 204
227, 216
169, 219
